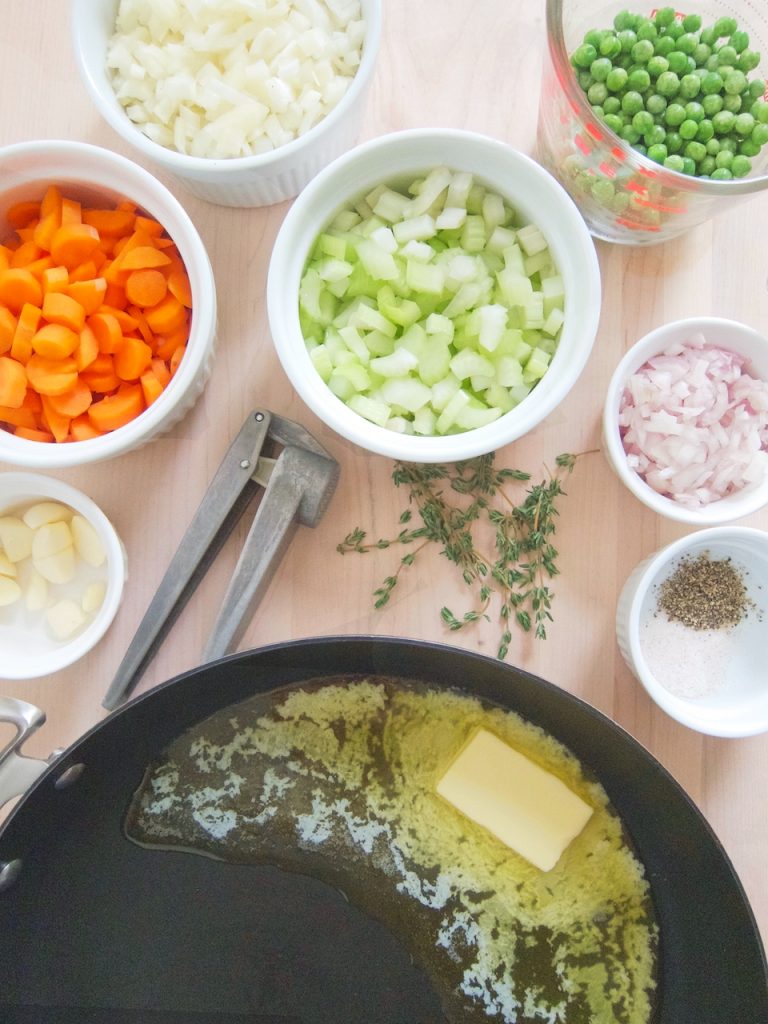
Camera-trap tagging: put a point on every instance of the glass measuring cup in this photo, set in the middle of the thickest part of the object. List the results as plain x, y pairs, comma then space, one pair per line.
624, 196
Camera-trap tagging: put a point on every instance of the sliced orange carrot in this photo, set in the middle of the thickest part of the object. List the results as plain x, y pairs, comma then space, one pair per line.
72, 403
26, 253
107, 331
23, 213
168, 315
146, 287
161, 371
13, 382
85, 272
166, 344
18, 287
26, 326
132, 359
51, 376
31, 434
151, 387
55, 279
115, 296
72, 244
144, 328
87, 350
152, 227
116, 410
176, 358
126, 321
7, 329
33, 402
54, 341
38, 267
144, 257
45, 229
64, 310
90, 294
57, 423
81, 428
51, 202
5, 257
21, 417
71, 211
179, 286
100, 375
112, 223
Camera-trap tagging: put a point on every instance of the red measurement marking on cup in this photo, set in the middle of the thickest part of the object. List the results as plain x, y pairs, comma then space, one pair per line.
583, 145
595, 132
635, 186
626, 223
607, 170
660, 206
618, 154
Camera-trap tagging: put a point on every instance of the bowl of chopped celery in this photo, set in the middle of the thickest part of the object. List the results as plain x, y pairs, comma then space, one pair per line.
654, 119
440, 308
243, 103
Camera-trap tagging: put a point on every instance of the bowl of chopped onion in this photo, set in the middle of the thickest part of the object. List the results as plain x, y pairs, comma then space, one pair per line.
685, 420
242, 102
107, 306
433, 295
690, 624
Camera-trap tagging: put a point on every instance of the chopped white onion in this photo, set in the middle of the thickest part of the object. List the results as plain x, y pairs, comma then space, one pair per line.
231, 78
694, 423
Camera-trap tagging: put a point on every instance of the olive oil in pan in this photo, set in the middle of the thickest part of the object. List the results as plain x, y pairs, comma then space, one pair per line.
335, 778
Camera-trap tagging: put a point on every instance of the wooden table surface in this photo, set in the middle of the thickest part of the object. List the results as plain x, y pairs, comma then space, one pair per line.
443, 63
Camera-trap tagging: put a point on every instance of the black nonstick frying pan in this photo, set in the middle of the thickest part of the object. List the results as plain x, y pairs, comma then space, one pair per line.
95, 930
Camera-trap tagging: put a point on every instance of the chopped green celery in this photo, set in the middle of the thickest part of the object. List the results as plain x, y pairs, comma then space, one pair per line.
473, 237
531, 239
502, 238
498, 397
400, 425
345, 220
422, 252
444, 390
341, 386
447, 417
363, 209
350, 309
435, 183
322, 362
460, 268
371, 320
514, 259
391, 206
493, 211
554, 322
509, 372
493, 323
377, 261
539, 261
467, 363
369, 409
361, 283
414, 339
451, 218
397, 364
459, 189
519, 393
424, 421
531, 337
480, 382
435, 360
492, 261
472, 417
415, 228
378, 344
533, 311
465, 298
403, 312
356, 374
415, 186
338, 288
508, 343
407, 392
332, 245
425, 277
475, 199
436, 323
334, 269
547, 344
515, 287
354, 342
385, 238
522, 351
554, 293
318, 303
536, 366
437, 244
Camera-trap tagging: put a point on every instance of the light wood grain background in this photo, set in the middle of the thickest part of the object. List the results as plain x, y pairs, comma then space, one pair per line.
443, 63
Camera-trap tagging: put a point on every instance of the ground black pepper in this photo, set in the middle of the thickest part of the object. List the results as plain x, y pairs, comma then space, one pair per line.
705, 594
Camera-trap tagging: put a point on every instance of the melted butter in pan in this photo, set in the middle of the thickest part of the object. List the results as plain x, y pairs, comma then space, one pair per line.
336, 778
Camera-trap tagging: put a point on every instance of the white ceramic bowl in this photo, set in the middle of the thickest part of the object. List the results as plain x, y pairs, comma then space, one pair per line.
729, 334
96, 175
738, 706
241, 181
393, 158
27, 648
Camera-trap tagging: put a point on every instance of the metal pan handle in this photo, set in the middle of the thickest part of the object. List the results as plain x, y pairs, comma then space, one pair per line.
17, 773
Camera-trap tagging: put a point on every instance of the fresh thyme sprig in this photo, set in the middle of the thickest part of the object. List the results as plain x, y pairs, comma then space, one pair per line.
524, 557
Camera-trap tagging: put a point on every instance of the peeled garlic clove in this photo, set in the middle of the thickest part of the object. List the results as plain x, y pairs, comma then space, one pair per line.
50, 539
46, 512
7, 568
36, 593
93, 597
87, 541
10, 591
59, 567
65, 618
15, 537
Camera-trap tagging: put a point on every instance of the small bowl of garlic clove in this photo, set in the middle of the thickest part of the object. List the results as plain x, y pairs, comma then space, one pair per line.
62, 573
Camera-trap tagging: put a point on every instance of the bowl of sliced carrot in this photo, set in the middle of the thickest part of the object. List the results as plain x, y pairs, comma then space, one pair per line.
107, 306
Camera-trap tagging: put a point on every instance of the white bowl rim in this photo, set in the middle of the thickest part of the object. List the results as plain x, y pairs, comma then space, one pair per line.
433, 448
682, 710
51, 489
183, 162
717, 512
37, 455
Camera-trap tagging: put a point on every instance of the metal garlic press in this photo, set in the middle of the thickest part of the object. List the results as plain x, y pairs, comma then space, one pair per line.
298, 478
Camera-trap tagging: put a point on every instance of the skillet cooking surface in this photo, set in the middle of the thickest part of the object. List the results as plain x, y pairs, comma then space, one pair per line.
92, 922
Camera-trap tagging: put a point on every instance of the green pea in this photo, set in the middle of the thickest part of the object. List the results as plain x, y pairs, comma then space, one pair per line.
620, 202
749, 148
757, 88
674, 114
624, 20
689, 166
732, 103
735, 83
712, 104
664, 45
598, 111
694, 111
705, 166
674, 142
725, 27
600, 69
631, 102
722, 122
675, 163
708, 36
721, 174
695, 150
743, 124
688, 129
692, 23
741, 166
724, 158
729, 143
705, 131
657, 153
628, 133
674, 30
627, 38
748, 61
727, 54
597, 93
678, 62
713, 146
665, 16
657, 65
614, 122
646, 30
640, 148
609, 46
711, 83
593, 37
603, 191
759, 110
760, 133
739, 41
642, 121
655, 136
642, 51
616, 79
712, 63
584, 55
690, 86
612, 105
687, 42
701, 53
668, 84
656, 104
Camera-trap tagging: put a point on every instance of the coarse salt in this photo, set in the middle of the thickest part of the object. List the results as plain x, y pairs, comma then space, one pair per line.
690, 663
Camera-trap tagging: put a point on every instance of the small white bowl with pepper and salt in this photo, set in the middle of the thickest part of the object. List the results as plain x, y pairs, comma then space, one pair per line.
692, 625
685, 420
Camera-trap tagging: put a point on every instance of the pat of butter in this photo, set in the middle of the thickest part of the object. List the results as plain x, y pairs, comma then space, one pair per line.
526, 807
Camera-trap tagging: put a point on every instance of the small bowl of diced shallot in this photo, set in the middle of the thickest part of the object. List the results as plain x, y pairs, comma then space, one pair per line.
685, 420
